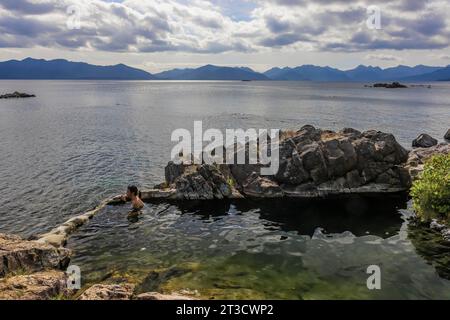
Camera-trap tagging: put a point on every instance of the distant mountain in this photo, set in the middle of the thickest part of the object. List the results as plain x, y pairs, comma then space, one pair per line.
365, 73
66, 70
442, 74
210, 72
369, 73
401, 72
360, 73
307, 73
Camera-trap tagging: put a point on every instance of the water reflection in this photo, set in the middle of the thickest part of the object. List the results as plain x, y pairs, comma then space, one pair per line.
358, 214
261, 249
432, 247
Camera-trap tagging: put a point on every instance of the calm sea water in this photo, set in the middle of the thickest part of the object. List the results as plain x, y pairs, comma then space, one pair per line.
81, 141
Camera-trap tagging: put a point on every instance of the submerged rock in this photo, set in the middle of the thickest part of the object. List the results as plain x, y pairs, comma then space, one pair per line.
43, 285
424, 141
313, 163
18, 255
159, 296
16, 95
58, 236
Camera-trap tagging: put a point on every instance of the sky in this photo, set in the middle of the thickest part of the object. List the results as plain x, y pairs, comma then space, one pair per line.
157, 35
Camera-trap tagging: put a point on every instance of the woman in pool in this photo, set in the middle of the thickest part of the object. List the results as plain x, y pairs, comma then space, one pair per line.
133, 195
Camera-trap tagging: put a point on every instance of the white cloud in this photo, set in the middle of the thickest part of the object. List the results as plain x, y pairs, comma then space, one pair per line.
193, 27
383, 57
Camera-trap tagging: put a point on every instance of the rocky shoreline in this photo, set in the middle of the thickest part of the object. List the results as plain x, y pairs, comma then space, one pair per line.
314, 163
32, 270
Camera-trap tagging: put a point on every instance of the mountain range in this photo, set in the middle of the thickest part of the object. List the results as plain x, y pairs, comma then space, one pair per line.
66, 70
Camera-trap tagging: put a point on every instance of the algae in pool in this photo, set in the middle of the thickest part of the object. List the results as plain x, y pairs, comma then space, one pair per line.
262, 250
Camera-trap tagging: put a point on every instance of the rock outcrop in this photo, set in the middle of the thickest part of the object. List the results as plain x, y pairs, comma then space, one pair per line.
42, 285
30, 270
108, 292
313, 163
417, 158
16, 95
424, 141
125, 292
18, 255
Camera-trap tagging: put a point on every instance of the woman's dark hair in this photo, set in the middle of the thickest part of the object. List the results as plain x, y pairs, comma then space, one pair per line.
134, 190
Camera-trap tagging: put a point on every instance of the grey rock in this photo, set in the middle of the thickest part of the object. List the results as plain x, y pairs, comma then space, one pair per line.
261, 187
173, 171
424, 141
313, 163
447, 135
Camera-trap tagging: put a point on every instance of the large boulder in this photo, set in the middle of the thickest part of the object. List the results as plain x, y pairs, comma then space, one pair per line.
17, 254
42, 285
313, 163
424, 141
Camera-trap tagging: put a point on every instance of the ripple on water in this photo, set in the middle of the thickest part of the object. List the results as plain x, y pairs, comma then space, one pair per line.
263, 251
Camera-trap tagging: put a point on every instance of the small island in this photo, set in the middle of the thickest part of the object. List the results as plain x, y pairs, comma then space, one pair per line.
16, 95
393, 85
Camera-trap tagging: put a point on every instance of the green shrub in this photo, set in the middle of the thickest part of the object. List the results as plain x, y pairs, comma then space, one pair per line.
431, 192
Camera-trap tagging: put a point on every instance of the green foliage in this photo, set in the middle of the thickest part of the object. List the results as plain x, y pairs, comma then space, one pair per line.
231, 182
431, 192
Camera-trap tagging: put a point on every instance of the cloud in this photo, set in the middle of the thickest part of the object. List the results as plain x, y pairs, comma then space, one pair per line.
383, 57
29, 6
200, 26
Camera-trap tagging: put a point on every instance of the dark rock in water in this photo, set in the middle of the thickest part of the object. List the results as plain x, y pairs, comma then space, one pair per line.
313, 163
154, 279
447, 135
424, 141
16, 95
393, 85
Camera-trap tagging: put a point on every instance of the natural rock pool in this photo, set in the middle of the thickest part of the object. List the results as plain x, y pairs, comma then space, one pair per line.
265, 249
